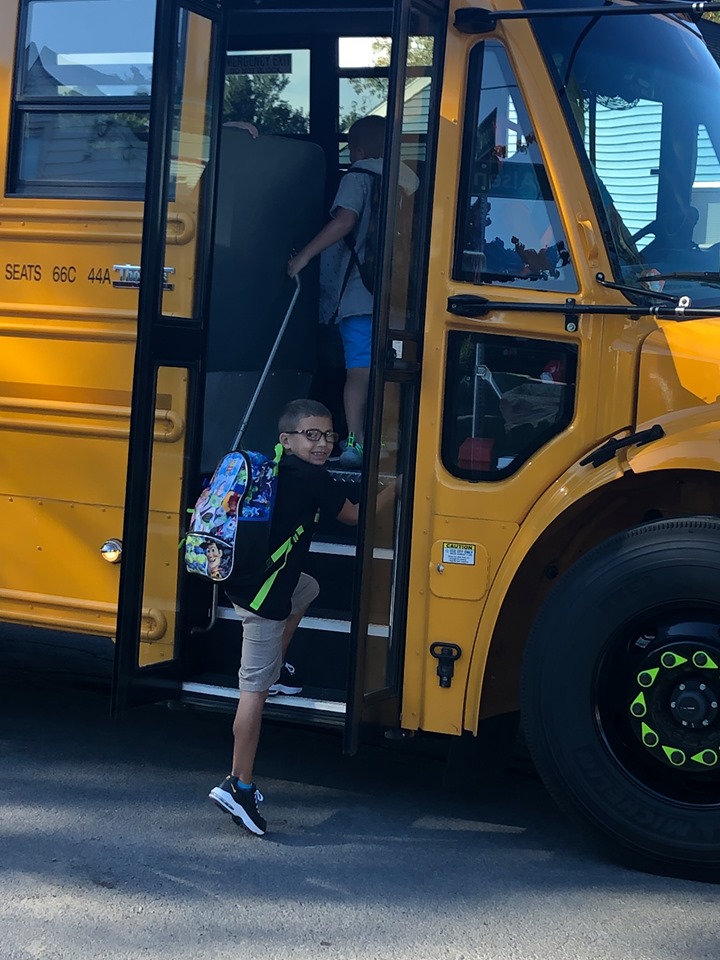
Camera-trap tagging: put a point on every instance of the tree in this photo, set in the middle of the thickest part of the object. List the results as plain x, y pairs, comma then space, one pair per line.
258, 99
420, 51
370, 93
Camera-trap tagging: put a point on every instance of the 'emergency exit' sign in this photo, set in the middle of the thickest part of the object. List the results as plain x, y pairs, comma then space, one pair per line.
240, 63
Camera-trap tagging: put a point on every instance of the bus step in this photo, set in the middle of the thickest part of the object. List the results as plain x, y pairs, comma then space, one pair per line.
324, 624
315, 709
328, 548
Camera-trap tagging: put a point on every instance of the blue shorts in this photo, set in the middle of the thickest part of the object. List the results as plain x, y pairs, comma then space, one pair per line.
356, 333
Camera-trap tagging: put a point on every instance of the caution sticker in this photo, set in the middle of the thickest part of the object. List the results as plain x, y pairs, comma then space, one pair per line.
458, 553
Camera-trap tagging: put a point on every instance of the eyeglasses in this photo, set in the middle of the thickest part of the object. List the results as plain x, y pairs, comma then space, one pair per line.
314, 435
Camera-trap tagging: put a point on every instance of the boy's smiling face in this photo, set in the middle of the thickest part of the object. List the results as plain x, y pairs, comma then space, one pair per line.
311, 451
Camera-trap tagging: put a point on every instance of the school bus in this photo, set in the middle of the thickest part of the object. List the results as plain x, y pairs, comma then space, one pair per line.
545, 378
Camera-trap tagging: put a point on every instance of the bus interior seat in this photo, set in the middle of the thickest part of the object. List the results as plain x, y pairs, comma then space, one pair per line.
270, 194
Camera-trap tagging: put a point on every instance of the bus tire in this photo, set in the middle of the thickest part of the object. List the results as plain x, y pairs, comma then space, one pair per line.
621, 696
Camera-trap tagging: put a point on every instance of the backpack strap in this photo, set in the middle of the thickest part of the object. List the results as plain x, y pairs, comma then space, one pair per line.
354, 260
282, 553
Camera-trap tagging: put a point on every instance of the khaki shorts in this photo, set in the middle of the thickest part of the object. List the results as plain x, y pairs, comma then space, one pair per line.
261, 657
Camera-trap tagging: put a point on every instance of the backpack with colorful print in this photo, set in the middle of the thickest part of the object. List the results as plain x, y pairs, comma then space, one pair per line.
230, 523
239, 498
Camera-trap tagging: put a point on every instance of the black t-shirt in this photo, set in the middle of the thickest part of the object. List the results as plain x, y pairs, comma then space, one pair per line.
303, 491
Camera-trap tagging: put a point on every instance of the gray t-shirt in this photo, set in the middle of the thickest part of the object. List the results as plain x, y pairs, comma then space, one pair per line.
354, 193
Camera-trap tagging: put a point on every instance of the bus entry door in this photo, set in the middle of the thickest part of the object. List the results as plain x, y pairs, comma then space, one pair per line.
173, 295
378, 628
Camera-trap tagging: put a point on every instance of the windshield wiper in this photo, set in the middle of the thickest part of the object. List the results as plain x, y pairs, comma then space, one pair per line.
711, 277
643, 291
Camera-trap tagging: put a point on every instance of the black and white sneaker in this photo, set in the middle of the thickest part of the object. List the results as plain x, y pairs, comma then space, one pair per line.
286, 682
242, 805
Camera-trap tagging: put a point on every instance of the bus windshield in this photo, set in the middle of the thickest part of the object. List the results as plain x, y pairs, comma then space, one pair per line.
642, 95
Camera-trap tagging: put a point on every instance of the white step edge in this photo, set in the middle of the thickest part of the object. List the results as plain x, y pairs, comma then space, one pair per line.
342, 626
300, 703
316, 623
348, 550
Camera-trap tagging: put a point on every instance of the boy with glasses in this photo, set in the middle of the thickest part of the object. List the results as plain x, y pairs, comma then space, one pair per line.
304, 490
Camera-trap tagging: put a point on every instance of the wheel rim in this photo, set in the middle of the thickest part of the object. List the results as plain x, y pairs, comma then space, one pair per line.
657, 703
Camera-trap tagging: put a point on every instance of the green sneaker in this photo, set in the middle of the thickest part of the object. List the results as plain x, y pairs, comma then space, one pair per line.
351, 457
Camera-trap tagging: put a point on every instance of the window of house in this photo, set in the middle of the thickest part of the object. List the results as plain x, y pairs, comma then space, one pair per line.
82, 98
505, 397
509, 228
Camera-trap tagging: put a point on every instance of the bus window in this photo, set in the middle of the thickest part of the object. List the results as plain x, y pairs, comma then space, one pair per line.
362, 83
505, 397
82, 104
364, 70
363, 78
649, 140
509, 228
270, 88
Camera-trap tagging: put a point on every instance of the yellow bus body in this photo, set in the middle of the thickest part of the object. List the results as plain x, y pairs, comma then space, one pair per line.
66, 401
69, 337
66, 385
552, 510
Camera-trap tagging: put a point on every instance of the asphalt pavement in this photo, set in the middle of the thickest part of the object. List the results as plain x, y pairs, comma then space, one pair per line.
109, 848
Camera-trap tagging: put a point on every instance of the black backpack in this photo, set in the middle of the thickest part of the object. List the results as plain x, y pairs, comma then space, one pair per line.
402, 242
368, 265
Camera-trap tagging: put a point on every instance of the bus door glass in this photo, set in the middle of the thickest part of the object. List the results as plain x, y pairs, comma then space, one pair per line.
383, 546
171, 315
506, 396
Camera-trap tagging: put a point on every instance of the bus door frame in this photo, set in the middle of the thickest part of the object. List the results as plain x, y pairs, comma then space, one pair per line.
162, 340
365, 704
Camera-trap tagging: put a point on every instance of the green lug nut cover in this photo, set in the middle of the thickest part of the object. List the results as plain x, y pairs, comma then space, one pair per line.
671, 660
704, 661
676, 757
646, 678
708, 758
638, 708
649, 737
